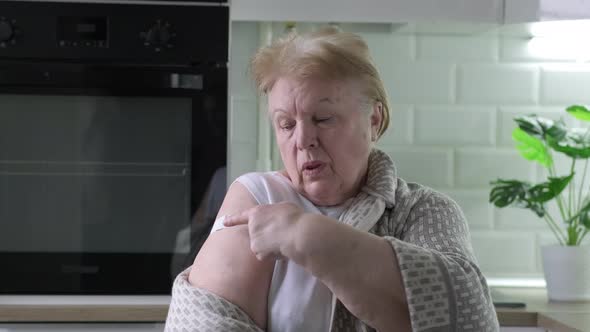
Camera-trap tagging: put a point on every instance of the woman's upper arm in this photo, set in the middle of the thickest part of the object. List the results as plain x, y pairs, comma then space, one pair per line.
227, 267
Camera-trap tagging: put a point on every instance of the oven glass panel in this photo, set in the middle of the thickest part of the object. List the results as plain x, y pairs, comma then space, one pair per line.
94, 174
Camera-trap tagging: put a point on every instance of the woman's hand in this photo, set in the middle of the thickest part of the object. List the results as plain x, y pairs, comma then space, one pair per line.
271, 228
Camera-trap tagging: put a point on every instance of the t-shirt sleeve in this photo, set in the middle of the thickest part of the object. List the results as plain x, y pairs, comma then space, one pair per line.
258, 184
254, 184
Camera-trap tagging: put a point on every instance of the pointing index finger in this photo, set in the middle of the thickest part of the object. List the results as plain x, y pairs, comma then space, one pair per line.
237, 219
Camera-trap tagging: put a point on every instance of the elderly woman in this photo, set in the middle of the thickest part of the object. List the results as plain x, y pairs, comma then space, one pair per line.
335, 241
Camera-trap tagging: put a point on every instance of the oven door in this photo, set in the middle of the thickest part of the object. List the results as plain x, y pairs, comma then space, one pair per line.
104, 172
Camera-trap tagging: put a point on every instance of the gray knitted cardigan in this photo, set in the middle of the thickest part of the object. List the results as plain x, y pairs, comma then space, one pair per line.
427, 231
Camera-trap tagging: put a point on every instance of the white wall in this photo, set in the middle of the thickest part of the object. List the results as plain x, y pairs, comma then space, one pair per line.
243, 123
454, 94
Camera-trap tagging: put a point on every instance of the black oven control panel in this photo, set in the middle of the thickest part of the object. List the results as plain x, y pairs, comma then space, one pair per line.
78, 31
194, 33
8, 32
159, 36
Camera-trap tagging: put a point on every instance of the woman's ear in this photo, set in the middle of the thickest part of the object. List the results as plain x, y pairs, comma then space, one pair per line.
376, 120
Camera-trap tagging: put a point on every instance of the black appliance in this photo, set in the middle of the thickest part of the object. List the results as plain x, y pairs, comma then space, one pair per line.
112, 124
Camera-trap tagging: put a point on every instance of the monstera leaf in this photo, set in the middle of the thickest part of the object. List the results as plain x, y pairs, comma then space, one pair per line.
546, 191
575, 144
505, 192
531, 148
515, 193
579, 112
536, 138
540, 127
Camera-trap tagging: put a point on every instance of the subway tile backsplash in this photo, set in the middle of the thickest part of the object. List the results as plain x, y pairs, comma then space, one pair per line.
429, 82
453, 100
462, 126
564, 84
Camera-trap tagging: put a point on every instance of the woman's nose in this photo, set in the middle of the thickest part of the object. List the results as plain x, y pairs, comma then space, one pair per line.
306, 136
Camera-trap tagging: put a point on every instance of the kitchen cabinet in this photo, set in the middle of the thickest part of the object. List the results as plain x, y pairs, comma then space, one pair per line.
398, 11
519, 11
369, 11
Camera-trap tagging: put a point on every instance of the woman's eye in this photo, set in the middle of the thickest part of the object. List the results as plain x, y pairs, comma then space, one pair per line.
320, 120
286, 126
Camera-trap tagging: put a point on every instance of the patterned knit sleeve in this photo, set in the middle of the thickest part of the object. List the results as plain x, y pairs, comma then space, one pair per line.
198, 310
444, 287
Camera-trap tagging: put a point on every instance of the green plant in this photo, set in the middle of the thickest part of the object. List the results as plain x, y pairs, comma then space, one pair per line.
536, 139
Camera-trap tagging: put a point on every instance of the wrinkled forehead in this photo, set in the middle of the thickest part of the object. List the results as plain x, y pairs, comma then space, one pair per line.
290, 94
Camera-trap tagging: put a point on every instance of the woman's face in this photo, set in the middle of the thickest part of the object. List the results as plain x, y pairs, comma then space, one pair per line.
324, 131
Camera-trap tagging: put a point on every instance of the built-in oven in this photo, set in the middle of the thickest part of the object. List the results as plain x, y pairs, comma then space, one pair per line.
112, 142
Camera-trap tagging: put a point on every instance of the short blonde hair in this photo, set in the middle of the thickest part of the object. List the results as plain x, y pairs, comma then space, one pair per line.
327, 53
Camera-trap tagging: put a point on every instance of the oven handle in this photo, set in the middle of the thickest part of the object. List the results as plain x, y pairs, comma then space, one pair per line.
117, 79
186, 81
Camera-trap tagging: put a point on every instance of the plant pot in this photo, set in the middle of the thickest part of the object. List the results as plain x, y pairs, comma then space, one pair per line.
567, 272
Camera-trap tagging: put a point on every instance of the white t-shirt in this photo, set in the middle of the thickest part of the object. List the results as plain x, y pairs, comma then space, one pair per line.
297, 300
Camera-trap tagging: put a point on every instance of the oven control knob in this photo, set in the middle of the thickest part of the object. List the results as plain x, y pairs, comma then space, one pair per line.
6, 31
159, 36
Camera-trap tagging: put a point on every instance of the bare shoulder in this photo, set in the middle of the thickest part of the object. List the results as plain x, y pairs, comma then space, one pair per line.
227, 267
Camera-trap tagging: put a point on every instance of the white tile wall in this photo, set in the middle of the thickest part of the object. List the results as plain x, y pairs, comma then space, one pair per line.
498, 83
243, 101
453, 48
401, 127
244, 43
387, 48
454, 97
455, 126
432, 167
505, 252
518, 219
478, 211
425, 81
522, 329
517, 49
475, 168
243, 159
565, 84
244, 112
